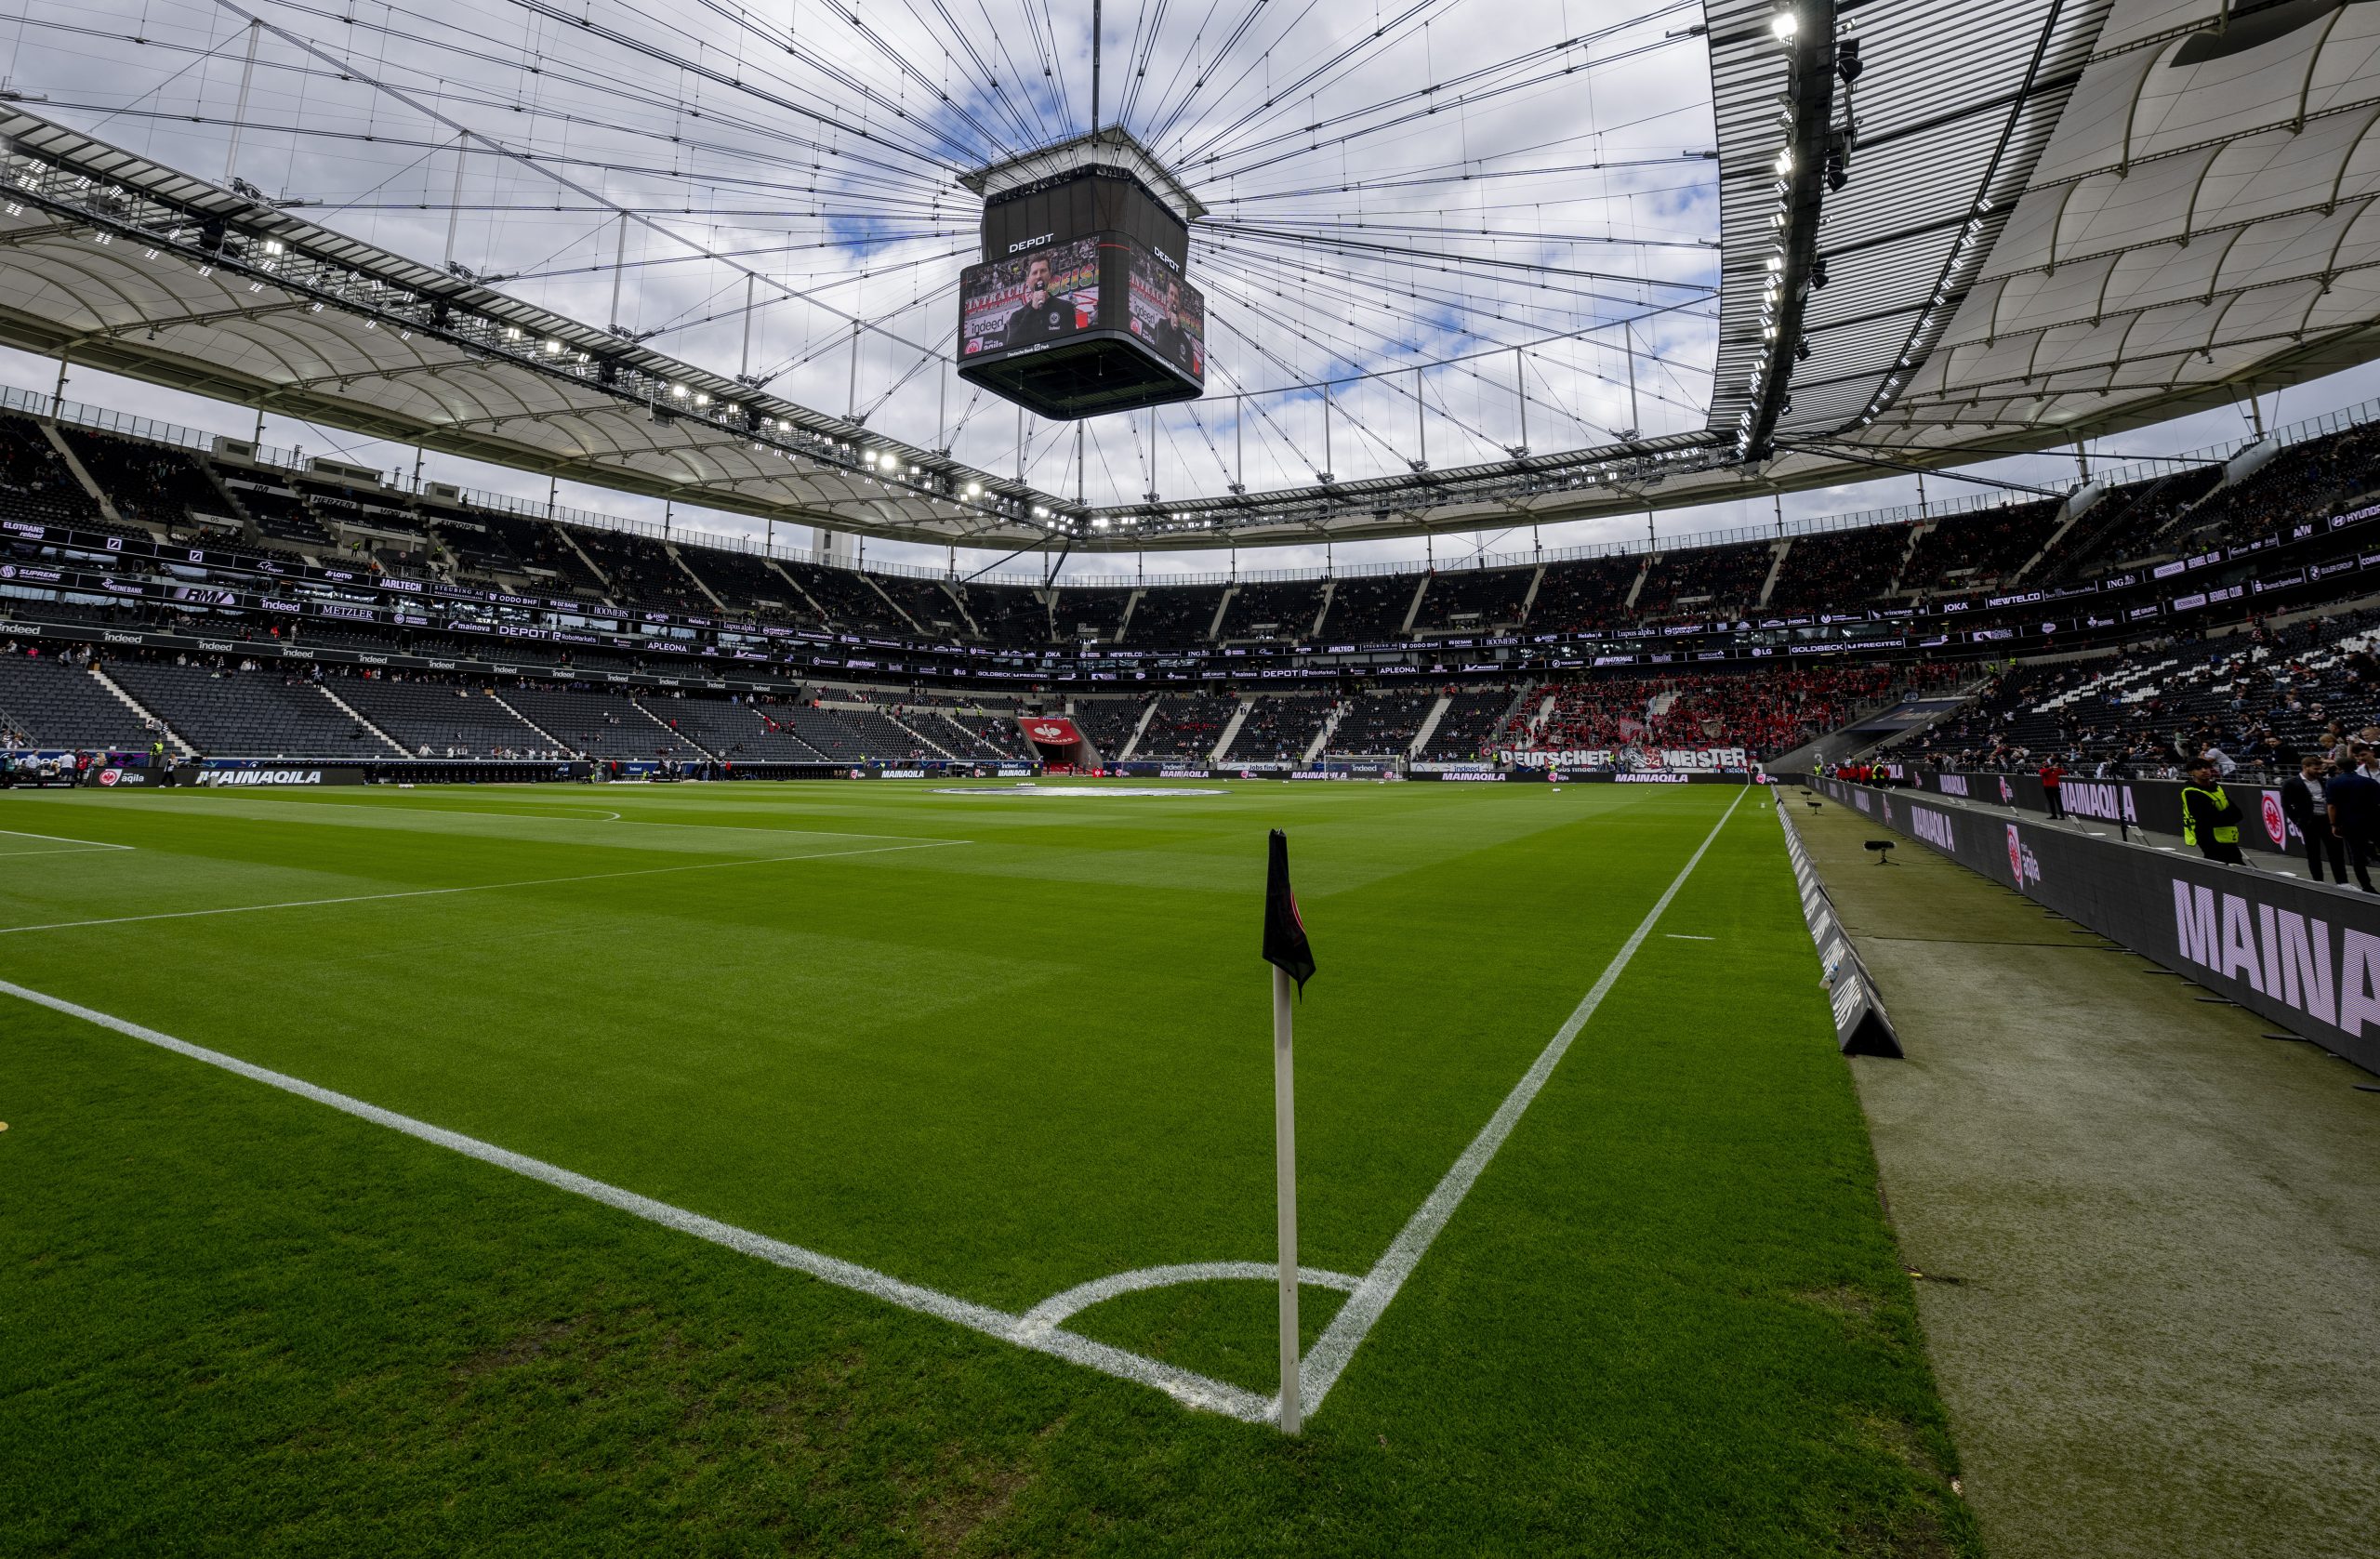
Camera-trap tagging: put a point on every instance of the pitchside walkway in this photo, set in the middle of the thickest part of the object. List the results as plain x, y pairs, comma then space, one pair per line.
2150, 1237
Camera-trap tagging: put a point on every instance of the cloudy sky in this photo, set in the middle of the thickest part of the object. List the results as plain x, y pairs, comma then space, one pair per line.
1439, 228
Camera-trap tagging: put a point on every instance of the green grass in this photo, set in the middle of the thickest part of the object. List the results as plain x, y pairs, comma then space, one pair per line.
1669, 1320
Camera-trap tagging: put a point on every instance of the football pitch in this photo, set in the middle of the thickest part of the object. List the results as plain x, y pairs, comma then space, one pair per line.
887, 1168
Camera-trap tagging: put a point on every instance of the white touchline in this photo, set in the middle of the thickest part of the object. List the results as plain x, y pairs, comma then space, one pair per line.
1688, 936
69, 850
1347, 1330
1024, 1331
61, 838
1040, 1327
476, 887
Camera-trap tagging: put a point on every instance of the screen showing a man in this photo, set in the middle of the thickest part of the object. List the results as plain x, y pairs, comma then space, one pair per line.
1168, 313
1043, 316
1030, 301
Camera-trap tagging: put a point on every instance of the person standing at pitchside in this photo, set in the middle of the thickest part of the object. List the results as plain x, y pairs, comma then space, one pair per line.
2051, 777
2208, 819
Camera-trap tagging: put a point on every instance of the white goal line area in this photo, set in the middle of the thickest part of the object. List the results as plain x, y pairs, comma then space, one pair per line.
1039, 1328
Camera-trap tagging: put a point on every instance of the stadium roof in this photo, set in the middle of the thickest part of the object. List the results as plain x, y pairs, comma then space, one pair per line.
2082, 217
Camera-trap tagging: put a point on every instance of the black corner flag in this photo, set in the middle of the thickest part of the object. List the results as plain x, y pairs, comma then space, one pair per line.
1285, 944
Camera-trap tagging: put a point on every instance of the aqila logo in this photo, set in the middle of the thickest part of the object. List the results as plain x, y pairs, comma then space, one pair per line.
2022, 864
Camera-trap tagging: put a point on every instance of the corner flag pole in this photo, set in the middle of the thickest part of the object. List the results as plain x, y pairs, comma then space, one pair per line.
1292, 960
1285, 1157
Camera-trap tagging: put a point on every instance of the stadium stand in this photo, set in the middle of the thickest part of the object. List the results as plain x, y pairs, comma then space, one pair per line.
1472, 599
1382, 724
1369, 606
1277, 729
598, 725
247, 707
1187, 726
443, 720
1471, 720
48, 700
1272, 609
1108, 722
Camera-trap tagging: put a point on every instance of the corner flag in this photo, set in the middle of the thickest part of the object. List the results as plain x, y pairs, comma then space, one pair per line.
1286, 950
1285, 944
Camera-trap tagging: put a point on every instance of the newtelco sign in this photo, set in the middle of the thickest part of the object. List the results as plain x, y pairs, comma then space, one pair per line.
2305, 956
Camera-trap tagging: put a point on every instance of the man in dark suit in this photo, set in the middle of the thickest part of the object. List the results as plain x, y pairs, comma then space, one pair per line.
2303, 803
2353, 801
1043, 316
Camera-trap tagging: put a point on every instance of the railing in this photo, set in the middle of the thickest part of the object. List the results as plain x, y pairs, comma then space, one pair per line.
37, 404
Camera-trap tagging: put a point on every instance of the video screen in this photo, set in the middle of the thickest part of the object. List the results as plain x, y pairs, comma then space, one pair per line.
1168, 314
1029, 299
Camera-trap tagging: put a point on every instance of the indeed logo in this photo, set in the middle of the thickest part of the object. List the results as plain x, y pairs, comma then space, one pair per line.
2281, 954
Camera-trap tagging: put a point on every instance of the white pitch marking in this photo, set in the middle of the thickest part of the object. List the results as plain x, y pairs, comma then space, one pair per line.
1683, 936
72, 849
475, 887
1368, 1297
1371, 1301
1047, 1315
1185, 1386
61, 838
399, 807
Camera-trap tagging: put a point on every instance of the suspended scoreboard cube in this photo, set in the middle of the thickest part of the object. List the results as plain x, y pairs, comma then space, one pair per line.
1080, 305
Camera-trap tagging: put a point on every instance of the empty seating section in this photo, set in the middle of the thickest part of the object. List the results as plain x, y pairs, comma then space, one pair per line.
1705, 581
928, 604
641, 573
1975, 551
880, 736
433, 719
1007, 613
1088, 613
152, 483
1278, 729
1108, 723
268, 712
1469, 728
1474, 600
280, 513
35, 482
738, 733
46, 701
855, 735
1578, 597
1276, 608
1846, 570
745, 583
1178, 614
1187, 726
1369, 607
1382, 724
600, 725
